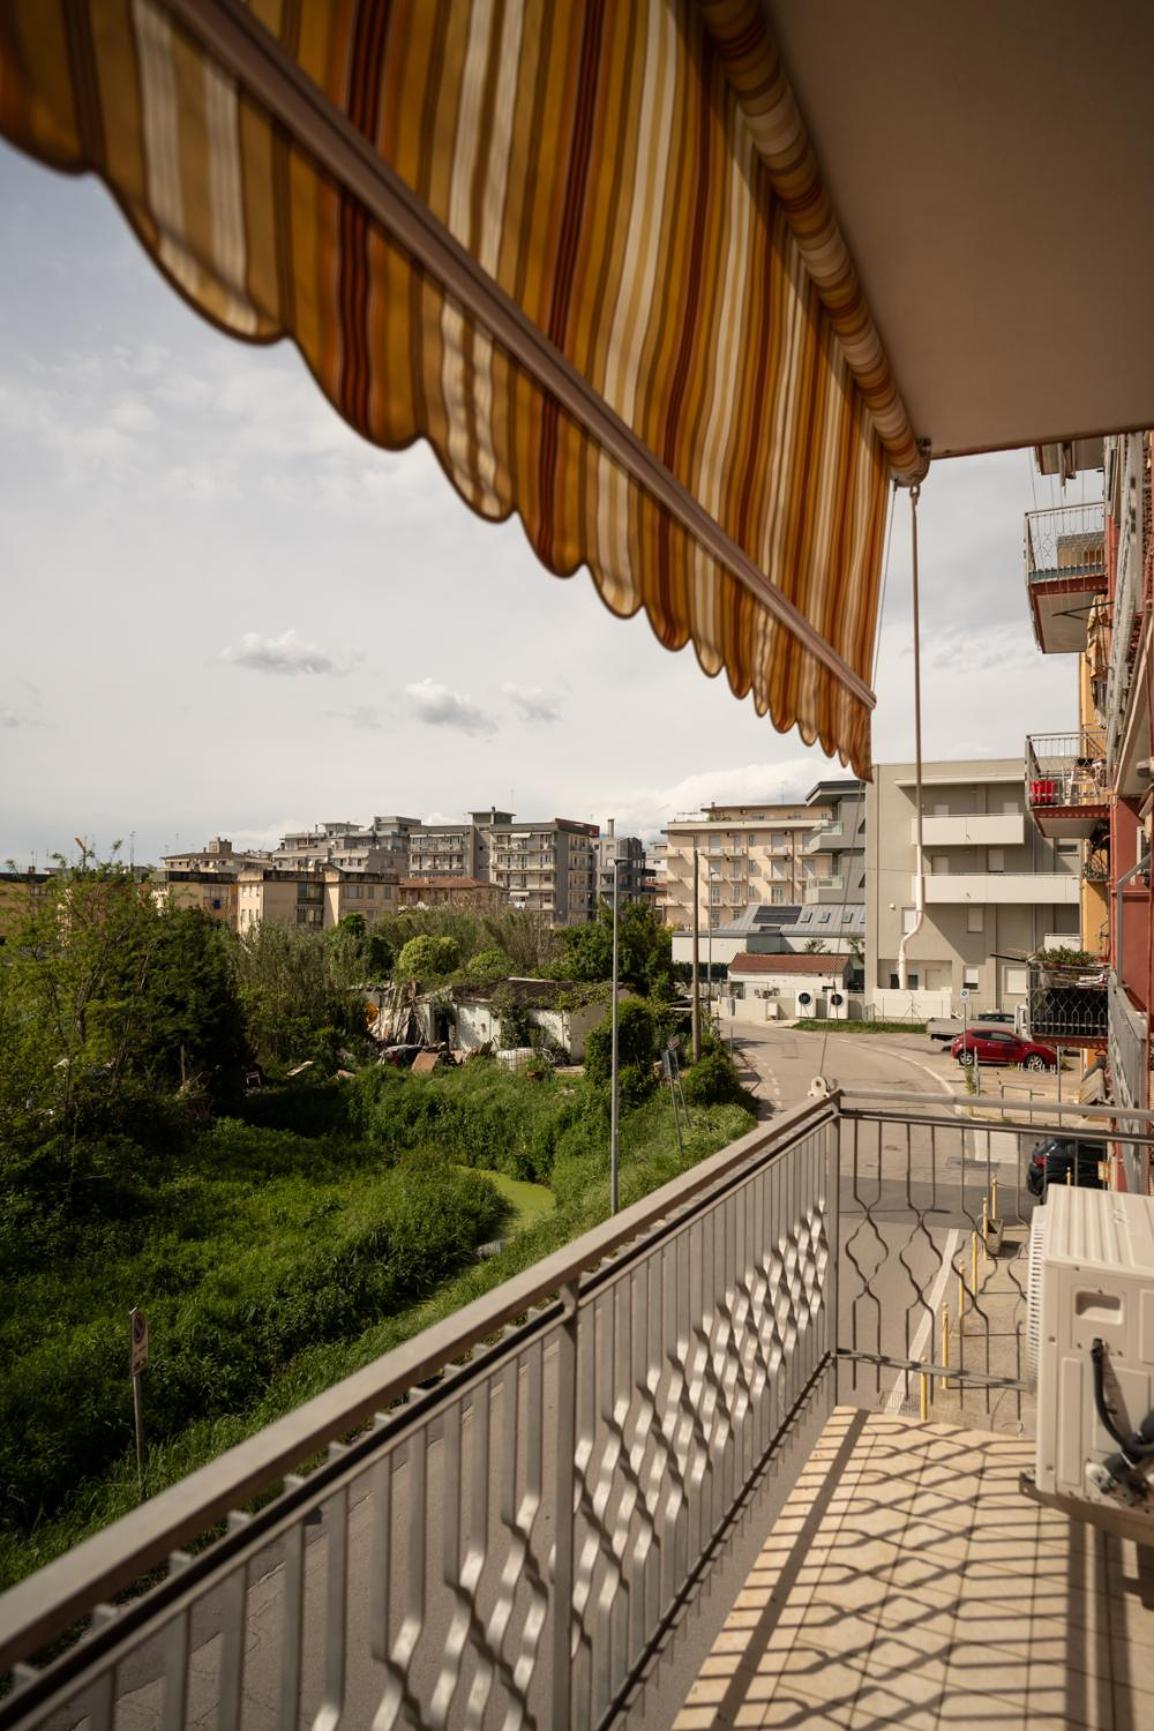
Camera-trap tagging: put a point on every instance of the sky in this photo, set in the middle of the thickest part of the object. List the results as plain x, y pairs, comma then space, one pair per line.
225, 613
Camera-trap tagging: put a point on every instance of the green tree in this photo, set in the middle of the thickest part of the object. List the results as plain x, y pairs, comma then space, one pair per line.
428, 958
490, 965
298, 990
645, 950
639, 1032
813, 947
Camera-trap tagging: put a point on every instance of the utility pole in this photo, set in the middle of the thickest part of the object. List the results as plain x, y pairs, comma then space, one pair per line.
614, 1110
696, 990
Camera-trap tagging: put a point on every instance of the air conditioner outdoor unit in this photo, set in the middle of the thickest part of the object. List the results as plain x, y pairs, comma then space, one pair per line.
837, 1006
1090, 1343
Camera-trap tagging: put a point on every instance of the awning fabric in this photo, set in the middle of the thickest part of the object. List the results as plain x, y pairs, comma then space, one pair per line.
605, 167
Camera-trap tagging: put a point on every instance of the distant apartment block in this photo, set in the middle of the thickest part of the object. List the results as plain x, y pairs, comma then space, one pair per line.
381, 845
834, 870
635, 875
745, 853
548, 867
316, 897
996, 890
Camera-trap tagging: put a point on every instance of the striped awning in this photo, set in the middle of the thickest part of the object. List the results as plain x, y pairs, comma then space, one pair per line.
582, 249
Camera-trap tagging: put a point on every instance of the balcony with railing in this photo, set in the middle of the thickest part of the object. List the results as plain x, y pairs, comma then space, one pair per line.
827, 888
1065, 572
821, 837
1068, 1004
1067, 788
563, 1504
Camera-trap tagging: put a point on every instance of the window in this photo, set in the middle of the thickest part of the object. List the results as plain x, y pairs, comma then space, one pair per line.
823, 919
1015, 980
996, 859
939, 862
971, 977
1011, 806
912, 980
975, 919
909, 919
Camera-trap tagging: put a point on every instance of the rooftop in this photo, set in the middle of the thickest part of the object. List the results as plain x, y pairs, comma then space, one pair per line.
787, 963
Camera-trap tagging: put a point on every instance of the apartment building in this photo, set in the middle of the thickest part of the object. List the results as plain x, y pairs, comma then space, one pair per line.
548, 867
461, 850
745, 853
380, 845
1090, 580
996, 890
218, 855
635, 876
209, 892
834, 864
314, 897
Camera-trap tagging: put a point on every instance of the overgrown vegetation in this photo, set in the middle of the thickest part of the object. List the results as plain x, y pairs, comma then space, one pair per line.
823, 1025
197, 1124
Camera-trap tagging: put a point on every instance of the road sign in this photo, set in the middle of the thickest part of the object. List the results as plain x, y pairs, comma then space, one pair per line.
964, 994
139, 1341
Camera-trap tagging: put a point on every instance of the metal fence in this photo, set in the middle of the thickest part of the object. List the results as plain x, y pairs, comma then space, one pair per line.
1067, 1003
502, 1522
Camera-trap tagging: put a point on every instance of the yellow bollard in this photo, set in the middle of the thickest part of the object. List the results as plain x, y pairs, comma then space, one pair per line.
994, 1198
961, 1300
986, 1224
923, 1396
946, 1341
974, 1264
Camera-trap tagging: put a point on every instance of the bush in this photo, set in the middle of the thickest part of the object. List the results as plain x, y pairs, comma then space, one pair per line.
490, 965
638, 1043
713, 1081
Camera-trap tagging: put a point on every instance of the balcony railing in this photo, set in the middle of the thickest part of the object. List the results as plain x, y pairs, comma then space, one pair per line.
1069, 541
506, 1517
818, 839
1066, 769
1068, 1003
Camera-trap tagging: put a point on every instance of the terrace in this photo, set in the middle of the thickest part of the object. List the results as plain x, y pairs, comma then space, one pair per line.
746, 1453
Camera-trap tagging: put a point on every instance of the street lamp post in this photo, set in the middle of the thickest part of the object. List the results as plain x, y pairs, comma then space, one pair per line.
614, 1110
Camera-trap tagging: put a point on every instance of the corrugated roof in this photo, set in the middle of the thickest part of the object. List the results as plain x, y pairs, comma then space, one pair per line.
745, 963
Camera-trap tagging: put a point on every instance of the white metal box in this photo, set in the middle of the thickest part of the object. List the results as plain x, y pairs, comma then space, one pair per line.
1091, 1277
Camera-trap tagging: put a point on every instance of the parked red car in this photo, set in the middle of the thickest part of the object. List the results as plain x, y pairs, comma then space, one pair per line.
995, 1046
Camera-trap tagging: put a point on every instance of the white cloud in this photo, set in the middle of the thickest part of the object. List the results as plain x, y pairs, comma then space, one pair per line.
439, 706
530, 702
285, 655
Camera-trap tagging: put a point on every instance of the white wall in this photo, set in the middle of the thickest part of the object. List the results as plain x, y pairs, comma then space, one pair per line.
920, 1006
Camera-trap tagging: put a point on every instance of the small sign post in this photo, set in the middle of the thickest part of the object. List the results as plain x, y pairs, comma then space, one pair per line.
138, 1324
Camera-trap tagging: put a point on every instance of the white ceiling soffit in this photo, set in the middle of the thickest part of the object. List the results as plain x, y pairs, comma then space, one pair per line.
992, 165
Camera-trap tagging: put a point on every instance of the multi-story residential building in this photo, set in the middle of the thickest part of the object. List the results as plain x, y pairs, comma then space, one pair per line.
311, 896
996, 891
459, 850
218, 855
547, 867
635, 876
745, 853
833, 866
1090, 577
380, 845
209, 892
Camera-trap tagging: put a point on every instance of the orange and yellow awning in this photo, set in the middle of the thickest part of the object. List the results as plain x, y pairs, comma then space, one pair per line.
583, 250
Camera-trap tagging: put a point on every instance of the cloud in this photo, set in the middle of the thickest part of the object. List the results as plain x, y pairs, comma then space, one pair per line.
645, 811
438, 706
285, 654
531, 703
361, 715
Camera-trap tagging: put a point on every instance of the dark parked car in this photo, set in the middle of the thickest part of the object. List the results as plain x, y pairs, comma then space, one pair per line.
1059, 1157
993, 1046
1004, 1018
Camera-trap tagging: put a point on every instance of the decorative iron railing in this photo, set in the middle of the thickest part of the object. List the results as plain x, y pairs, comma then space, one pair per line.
1068, 541
502, 1521
1068, 1003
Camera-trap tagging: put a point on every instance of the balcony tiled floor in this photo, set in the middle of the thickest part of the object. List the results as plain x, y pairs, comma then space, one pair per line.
908, 1583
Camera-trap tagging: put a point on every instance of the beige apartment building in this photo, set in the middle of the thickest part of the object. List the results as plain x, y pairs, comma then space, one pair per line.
209, 892
317, 897
995, 889
746, 853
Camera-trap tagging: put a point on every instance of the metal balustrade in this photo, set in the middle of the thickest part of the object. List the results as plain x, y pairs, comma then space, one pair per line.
1066, 769
1065, 542
502, 1521
1067, 1002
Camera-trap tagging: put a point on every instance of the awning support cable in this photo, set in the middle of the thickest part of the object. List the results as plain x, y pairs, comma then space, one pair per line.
919, 862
